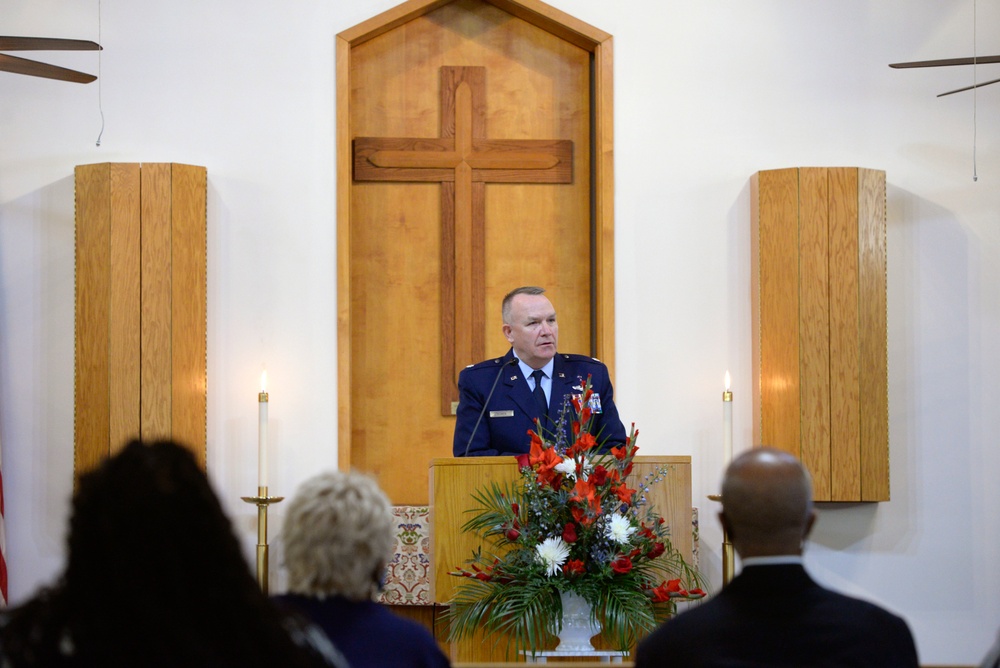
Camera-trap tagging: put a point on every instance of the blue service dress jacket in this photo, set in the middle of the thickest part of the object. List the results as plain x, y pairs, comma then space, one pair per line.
778, 616
368, 633
503, 428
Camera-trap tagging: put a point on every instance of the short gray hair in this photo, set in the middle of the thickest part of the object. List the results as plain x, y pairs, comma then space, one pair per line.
505, 307
337, 532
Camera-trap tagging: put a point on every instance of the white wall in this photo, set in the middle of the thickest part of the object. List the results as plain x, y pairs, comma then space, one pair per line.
706, 93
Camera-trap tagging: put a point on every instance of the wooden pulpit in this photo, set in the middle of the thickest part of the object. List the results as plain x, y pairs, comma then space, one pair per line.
453, 481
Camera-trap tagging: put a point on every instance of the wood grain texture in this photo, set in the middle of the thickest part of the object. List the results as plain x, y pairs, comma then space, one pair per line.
814, 327
392, 256
93, 284
462, 159
124, 350
388, 20
602, 260
845, 396
189, 299
534, 12
434, 160
344, 338
155, 405
841, 317
141, 307
557, 22
873, 320
778, 266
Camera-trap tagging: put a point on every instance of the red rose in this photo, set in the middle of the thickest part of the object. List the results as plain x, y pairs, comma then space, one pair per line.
512, 534
569, 533
522, 461
599, 476
621, 565
656, 550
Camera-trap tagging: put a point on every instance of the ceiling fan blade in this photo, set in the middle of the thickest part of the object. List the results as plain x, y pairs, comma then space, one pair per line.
46, 44
978, 85
36, 69
948, 61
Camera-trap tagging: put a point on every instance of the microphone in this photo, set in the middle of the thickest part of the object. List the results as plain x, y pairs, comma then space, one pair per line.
512, 360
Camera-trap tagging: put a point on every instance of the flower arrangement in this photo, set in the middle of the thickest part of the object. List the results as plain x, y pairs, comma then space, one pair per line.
570, 523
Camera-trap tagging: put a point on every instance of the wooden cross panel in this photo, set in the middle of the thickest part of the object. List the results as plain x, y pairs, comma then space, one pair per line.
462, 160
474, 155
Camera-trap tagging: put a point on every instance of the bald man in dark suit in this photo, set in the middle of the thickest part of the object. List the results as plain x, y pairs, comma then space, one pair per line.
773, 613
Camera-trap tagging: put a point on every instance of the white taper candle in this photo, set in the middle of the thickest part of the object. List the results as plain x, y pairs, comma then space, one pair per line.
262, 432
727, 422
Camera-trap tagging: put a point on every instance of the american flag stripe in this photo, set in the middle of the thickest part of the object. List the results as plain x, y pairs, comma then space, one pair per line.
3, 546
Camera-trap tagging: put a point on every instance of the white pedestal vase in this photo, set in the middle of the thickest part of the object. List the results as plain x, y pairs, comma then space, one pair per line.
577, 626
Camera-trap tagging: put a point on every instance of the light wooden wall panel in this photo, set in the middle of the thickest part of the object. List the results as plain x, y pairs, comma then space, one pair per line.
874, 368
189, 276
155, 307
845, 392
819, 325
92, 387
814, 327
776, 404
124, 297
140, 307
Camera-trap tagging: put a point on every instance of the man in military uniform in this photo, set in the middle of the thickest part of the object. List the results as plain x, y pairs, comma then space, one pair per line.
500, 399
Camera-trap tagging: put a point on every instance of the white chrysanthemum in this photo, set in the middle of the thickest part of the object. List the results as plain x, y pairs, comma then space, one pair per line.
619, 529
567, 467
553, 552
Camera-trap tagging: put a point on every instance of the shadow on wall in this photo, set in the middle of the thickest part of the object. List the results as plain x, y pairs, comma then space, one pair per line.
935, 399
36, 375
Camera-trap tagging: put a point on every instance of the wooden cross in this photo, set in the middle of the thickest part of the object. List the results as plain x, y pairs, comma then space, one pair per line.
462, 160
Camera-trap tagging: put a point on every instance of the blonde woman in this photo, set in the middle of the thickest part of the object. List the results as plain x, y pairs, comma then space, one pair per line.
338, 535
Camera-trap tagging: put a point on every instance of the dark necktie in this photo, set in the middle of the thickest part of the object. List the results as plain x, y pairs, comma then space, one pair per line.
539, 393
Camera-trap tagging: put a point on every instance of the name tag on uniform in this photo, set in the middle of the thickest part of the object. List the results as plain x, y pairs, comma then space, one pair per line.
494, 414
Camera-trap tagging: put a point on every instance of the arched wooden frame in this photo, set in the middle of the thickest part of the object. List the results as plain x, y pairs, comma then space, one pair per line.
563, 26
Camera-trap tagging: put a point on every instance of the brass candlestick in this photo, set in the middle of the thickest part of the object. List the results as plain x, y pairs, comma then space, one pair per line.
263, 501
728, 556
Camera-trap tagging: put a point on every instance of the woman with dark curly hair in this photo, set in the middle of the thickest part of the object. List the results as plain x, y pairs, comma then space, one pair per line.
155, 577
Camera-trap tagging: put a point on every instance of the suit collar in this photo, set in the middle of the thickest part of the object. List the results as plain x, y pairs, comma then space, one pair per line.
774, 578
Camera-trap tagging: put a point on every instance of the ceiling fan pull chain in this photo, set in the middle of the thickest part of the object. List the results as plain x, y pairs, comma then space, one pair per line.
100, 78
